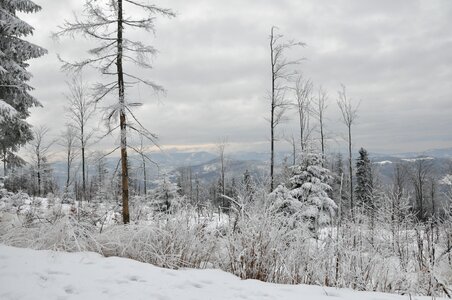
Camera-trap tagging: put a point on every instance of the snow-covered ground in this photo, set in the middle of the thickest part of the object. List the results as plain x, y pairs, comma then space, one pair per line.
31, 274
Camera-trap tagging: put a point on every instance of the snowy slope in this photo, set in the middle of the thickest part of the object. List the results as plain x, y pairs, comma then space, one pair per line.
31, 274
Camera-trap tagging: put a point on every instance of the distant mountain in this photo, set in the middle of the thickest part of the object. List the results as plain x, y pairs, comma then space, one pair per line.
440, 166
437, 153
210, 171
178, 159
206, 165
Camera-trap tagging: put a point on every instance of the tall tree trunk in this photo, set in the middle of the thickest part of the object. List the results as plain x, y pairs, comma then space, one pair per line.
39, 176
222, 181
190, 180
144, 177
83, 165
421, 197
122, 120
4, 163
272, 117
322, 141
433, 202
350, 169
68, 170
300, 116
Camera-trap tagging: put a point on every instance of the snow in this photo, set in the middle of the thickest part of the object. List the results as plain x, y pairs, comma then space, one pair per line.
31, 274
447, 180
416, 159
6, 110
384, 162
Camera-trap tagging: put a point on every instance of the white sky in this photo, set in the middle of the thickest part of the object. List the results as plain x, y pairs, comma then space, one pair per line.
393, 56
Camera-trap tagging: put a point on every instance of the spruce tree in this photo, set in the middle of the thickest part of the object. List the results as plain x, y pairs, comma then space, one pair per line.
306, 195
364, 180
310, 185
166, 196
15, 99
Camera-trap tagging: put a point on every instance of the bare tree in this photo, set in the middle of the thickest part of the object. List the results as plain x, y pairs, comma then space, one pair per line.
40, 148
80, 111
420, 172
291, 140
144, 158
349, 116
222, 158
280, 72
105, 22
321, 106
68, 141
400, 175
303, 96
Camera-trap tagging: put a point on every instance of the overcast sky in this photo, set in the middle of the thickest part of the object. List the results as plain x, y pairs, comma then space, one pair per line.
393, 56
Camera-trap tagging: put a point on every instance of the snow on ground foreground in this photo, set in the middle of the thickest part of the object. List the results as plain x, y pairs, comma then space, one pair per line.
31, 274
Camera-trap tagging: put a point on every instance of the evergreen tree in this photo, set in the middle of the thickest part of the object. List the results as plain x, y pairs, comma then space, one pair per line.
306, 194
15, 100
364, 180
165, 196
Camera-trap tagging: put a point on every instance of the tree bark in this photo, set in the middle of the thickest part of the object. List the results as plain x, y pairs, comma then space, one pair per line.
4, 163
122, 120
68, 170
39, 174
145, 178
322, 137
350, 169
301, 119
272, 117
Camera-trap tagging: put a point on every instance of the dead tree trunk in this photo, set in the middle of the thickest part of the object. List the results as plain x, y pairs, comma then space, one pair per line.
122, 120
272, 111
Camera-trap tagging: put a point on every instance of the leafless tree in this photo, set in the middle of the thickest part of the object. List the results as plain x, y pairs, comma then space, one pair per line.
420, 173
68, 141
321, 106
303, 96
80, 111
291, 140
222, 158
281, 73
400, 179
40, 148
349, 115
144, 159
106, 23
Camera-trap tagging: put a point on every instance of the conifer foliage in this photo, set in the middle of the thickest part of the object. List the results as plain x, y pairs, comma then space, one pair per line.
15, 99
306, 193
165, 197
364, 181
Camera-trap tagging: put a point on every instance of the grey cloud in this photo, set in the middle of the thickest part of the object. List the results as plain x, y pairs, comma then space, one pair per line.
394, 56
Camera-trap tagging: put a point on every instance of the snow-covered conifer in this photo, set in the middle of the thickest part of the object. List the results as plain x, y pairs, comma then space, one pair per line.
364, 180
15, 100
306, 194
165, 196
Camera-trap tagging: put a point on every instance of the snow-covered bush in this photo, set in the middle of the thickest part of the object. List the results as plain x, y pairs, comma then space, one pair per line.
258, 248
170, 242
400, 255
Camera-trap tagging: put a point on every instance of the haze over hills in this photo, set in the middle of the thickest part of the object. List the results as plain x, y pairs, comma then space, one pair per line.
205, 165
